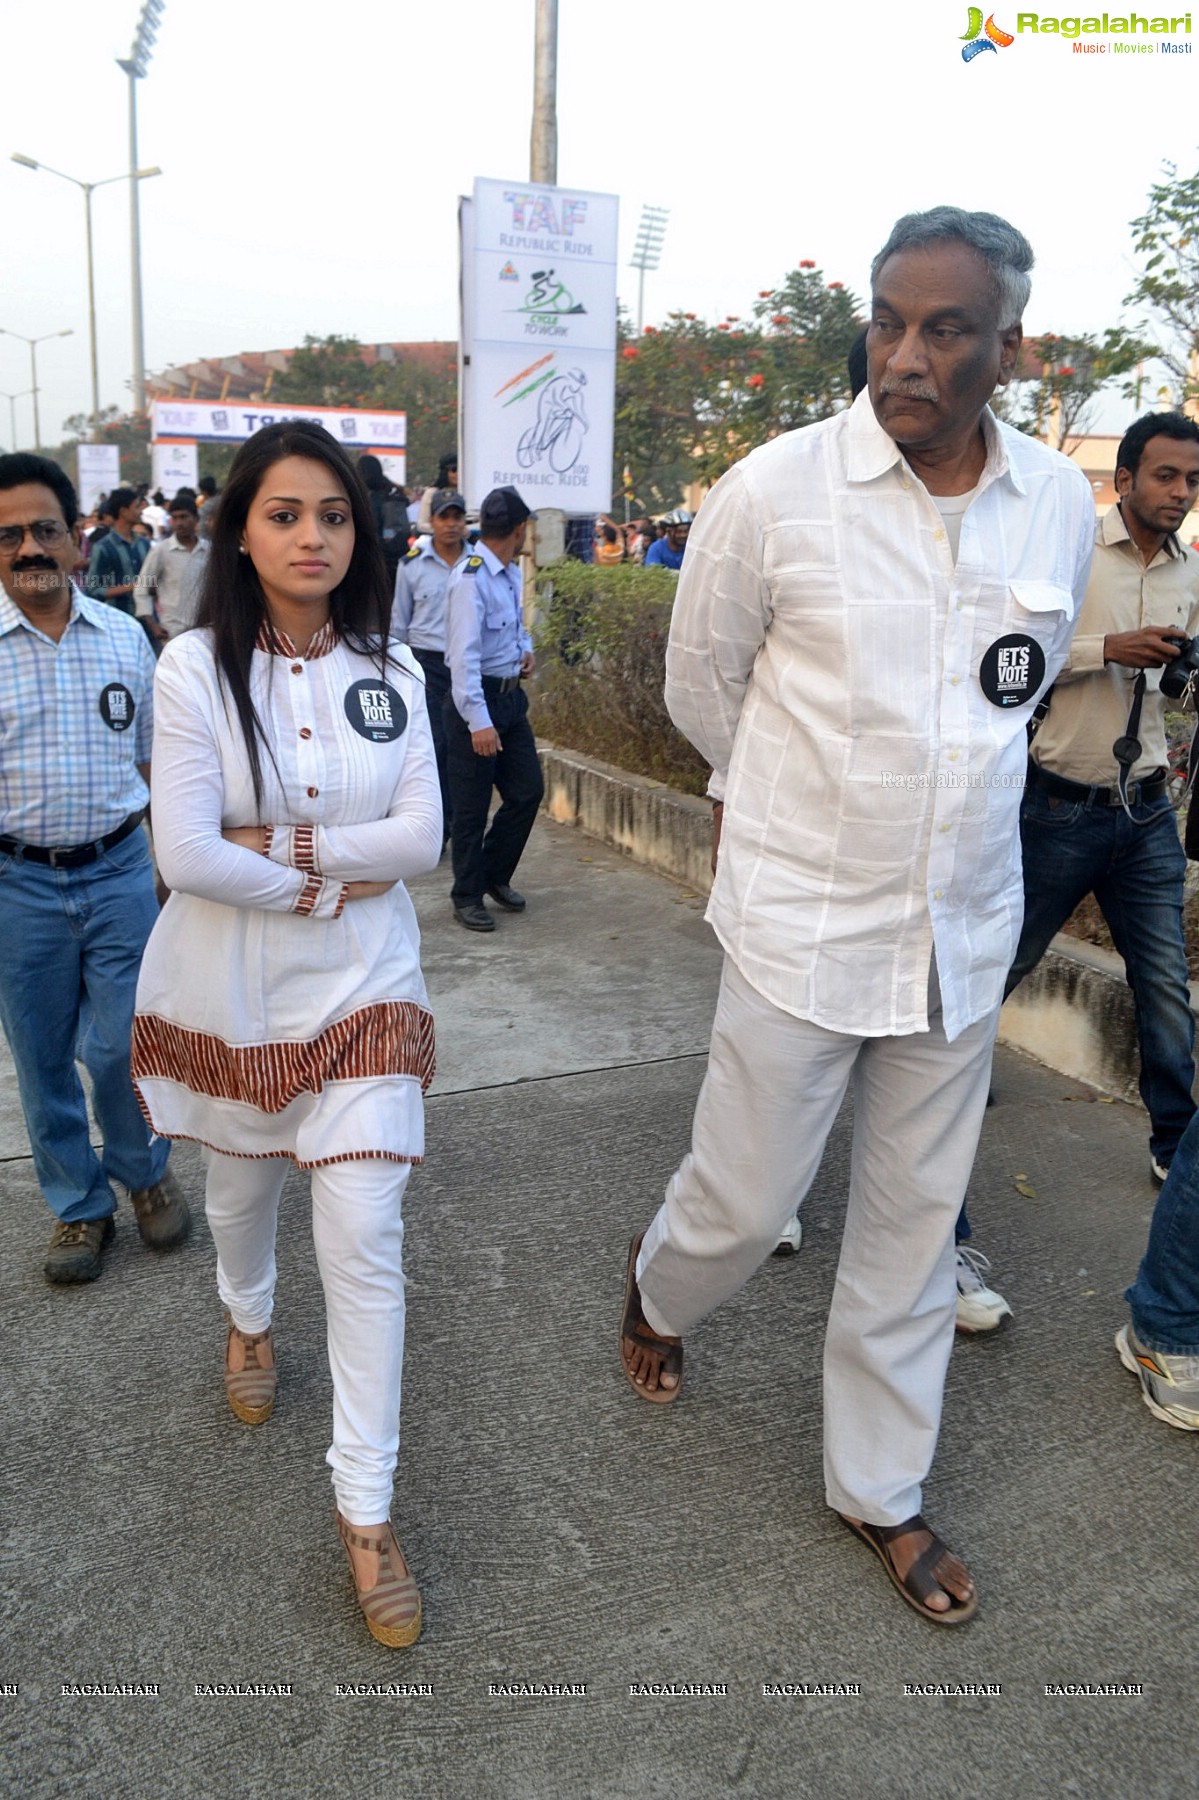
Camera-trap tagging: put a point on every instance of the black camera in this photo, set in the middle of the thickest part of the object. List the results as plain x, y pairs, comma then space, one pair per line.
1176, 674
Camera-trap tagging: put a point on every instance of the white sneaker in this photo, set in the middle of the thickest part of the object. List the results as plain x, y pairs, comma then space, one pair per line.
790, 1237
1158, 1170
980, 1308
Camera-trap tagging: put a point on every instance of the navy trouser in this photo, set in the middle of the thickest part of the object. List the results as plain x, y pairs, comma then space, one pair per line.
1135, 868
437, 690
485, 856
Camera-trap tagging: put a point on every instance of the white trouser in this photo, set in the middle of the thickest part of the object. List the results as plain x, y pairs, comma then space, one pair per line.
359, 1234
772, 1091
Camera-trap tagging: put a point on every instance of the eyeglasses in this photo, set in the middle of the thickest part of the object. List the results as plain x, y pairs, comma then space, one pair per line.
51, 534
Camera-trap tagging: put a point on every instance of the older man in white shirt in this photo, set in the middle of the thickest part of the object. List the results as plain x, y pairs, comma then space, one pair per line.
869, 610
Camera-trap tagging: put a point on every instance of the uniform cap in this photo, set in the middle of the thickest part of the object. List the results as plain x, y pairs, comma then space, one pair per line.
502, 511
445, 500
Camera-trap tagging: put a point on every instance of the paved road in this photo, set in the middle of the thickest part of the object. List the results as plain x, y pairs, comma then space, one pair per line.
564, 1532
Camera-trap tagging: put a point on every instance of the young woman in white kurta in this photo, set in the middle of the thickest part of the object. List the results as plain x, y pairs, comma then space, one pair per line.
282, 1018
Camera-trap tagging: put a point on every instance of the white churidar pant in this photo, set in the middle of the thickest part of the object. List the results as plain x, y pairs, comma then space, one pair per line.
358, 1233
773, 1088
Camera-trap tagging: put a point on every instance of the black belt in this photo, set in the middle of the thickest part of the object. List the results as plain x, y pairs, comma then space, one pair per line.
1139, 792
500, 684
76, 855
422, 655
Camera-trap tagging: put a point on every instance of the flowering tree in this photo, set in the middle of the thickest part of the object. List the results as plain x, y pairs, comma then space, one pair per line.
692, 397
1056, 403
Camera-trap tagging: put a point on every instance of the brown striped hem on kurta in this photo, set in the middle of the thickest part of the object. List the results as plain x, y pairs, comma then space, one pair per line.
394, 1037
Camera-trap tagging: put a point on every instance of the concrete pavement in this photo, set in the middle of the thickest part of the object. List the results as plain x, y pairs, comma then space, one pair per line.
564, 1532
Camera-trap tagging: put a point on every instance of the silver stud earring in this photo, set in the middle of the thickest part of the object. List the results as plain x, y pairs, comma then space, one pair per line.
242, 551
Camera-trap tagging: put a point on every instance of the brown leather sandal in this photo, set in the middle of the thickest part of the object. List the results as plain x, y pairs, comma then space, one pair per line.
251, 1391
635, 1327
921, 1579
392, 1607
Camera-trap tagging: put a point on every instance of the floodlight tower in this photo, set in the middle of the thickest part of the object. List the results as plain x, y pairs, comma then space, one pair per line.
135, 66
647, 251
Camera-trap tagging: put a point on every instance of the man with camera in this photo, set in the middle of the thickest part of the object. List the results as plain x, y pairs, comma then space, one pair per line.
1086, 825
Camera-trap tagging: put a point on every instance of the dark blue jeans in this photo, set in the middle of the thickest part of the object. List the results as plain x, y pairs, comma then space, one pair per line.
1135, 871
1165, 1295
485, 856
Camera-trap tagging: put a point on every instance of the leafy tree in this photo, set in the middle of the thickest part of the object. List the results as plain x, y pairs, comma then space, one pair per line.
128, 432
1166, 235
331, 371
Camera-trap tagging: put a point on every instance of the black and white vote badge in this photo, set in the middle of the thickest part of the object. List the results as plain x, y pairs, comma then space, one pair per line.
116, 706
1012, 670
376, 711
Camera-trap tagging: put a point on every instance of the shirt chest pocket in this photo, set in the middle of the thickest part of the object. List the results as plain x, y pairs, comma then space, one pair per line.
497, 610
1042, 602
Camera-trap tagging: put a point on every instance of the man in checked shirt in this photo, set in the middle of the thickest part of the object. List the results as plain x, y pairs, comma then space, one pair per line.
869, 610
77, 893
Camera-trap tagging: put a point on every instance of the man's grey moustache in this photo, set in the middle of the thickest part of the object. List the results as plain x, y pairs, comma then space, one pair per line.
918, 391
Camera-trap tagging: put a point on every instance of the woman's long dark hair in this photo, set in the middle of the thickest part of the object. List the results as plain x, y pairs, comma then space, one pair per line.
232, 604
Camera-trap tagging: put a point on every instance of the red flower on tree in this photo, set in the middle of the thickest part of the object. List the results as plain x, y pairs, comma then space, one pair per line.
835, 284
807, 265
779, 319
630, 353
756, 381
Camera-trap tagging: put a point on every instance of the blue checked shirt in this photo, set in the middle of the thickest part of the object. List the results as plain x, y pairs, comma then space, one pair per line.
76, 718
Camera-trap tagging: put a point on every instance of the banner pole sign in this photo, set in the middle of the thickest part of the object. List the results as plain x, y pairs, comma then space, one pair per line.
228, 422
538, 344
173, 466
99, 467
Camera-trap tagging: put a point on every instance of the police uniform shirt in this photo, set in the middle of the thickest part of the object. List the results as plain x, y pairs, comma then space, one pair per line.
418, 612
485, 632
76, 718
1091, 698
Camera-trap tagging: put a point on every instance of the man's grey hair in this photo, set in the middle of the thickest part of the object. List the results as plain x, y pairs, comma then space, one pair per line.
1006, 251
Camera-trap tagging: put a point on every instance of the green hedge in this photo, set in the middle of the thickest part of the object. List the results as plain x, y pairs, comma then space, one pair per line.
601, 652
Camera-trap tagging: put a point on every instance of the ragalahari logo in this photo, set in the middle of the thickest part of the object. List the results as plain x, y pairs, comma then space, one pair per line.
974, 42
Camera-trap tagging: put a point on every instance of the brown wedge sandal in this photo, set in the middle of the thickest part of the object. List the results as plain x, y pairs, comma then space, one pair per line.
251, 1391
392, 1607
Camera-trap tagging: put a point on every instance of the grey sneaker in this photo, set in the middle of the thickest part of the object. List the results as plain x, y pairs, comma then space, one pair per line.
1169, 1384
790, 1237
76, 1249
161, 1213
979, 1307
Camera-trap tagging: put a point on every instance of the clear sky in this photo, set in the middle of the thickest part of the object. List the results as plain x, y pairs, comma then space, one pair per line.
313, 156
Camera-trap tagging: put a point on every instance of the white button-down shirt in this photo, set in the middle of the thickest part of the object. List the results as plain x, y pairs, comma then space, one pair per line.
170, 580
824, 657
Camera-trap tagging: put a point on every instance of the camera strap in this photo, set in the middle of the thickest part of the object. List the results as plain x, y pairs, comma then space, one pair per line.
1126, 749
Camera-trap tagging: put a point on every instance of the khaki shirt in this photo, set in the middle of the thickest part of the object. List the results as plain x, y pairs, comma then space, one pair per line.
1091, 699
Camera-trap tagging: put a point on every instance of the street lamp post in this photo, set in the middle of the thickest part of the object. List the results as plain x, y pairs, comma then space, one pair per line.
135, 66
12, 412
647, 252
33, 344
89, 188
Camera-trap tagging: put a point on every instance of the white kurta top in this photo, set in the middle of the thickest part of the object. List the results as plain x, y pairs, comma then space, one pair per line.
827, 656
276, 1017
